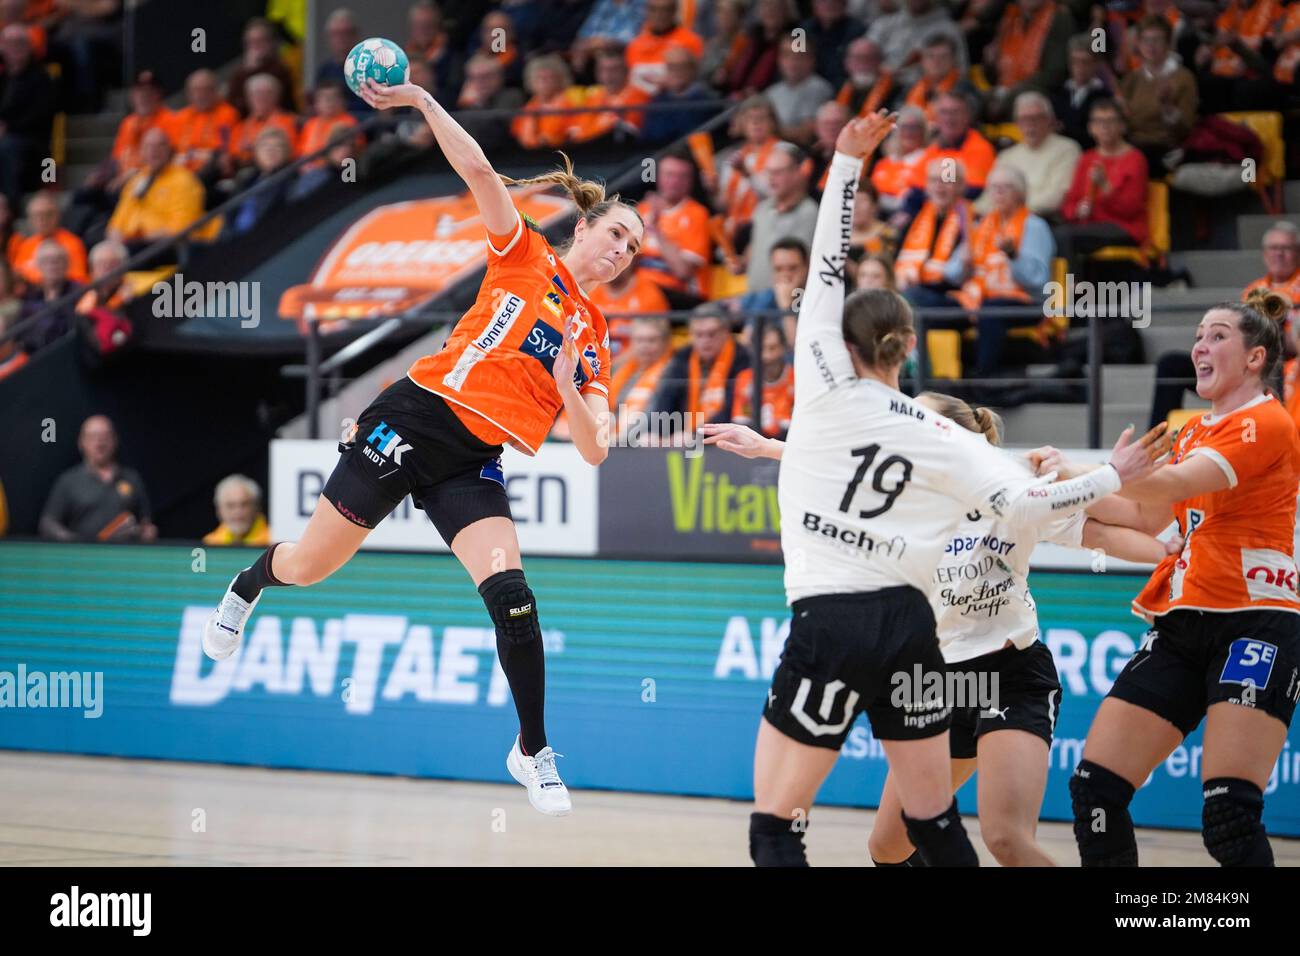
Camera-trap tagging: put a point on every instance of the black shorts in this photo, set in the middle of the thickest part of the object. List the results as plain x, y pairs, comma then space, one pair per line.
1010, 689
409, 442
1192, 659
843, 657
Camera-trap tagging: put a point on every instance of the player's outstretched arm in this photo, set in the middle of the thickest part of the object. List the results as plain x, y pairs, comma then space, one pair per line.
741, 440
1127, 544
464, 154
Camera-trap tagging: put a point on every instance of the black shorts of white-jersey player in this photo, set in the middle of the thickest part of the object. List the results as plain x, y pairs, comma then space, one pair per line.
426, 451
870, 487
1007, 739
1193, 664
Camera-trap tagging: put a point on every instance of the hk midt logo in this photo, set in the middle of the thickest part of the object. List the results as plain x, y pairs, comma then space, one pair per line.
387, 444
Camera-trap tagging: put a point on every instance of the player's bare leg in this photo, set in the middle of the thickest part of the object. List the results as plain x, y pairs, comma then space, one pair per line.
888, 844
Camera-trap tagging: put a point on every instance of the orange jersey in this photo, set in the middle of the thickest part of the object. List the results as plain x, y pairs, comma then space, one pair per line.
1289, 287
687, 226
126, 145
245, 135
590, 125
316, 132
197, 134
975, 152
532, 130
778, 401
22, 256
495, 368
893, 176
1238, 542
645, 55
642, 296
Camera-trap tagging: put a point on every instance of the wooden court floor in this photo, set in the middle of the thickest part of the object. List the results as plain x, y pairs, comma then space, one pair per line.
95, 811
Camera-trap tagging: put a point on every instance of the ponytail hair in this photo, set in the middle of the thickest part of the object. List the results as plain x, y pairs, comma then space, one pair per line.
588, 195
878, 323
981, 420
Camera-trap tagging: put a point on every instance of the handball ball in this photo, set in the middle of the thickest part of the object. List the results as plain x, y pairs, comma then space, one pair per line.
377, 59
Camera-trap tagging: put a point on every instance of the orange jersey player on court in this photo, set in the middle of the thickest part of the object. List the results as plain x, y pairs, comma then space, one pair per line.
532, 345
1224, 643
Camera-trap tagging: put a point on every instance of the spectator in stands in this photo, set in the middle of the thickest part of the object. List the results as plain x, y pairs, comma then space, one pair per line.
939, 74
485, 89
612, 89
15, 11
894, 171
202, 131
871, 234
1030, 52
610, 23
901, 36
1159, 97
157, 202
238, 501
778, 388
330, 119
789, 269
645, 53
1106, 204
830, 30
43, 218
1046, 159
676, 250
147, 112
1281, 246
106, 258
788, 211
12, 356
497, 38
261, 55
875, 272
100, 499
86, 41
954, 139
271, 153
263, 93
343, 147
755, 66
681, 87
728, 42
797, 95
633, 292
550, 86
638, 370
54, 285
743, 180
867, 85
1086, 84
830, 119
26, 113
1006, 262
1234, 74
1127, 27
928, 268
341, 35
700, 380
427, 41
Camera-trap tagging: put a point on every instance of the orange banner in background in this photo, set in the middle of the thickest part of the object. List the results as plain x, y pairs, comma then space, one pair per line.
399, 256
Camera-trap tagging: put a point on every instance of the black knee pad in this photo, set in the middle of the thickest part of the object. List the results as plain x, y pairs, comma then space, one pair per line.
774, 841
942, 840
511, 604
1230, 823
1103, 828
913, 860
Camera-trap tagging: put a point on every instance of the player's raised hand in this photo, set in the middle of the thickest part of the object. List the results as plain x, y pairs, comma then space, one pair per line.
1135, 460
861, 136
383, 97
566, 360
740, 440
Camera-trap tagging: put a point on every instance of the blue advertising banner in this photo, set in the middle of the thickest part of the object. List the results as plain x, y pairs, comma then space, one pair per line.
656, 672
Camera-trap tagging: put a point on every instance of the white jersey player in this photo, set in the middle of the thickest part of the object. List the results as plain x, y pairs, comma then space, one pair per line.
871, 486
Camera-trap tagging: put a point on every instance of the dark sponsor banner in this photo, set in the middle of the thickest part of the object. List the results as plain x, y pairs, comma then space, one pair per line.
688, 503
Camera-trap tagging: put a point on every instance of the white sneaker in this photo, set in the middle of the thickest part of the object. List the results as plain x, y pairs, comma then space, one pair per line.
546, 791
224, 631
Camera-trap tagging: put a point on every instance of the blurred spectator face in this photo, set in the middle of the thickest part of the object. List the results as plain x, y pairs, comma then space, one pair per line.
937, 62
773, 352
941, 192
259, 44
649, 341
708, 335
1281, 255
864, 208
1153, 47
784, 176
758, 125
951, 118
97, 441
828, 11
831, 118
423, 24
341, 35
271, 151
237, 508
676, 177
329, 101
681, 70
611, 72
155, 149
873, 275
43, 214
771, 14
15, 47
911, 133
728, 18
546, 82
263, 94
201, 89
795, 67
145, 99
106, 259
1106, 127
1005, 193
1083, 67
52, 264
862, 61
660, 16
789, 268
485, 78
1034, 123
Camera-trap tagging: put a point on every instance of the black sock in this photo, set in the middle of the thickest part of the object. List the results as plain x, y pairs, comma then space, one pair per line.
776, 841
525, 667
250, 581
913, 860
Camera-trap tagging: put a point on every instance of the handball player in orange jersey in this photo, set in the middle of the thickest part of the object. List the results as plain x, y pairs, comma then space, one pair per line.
531, 345
1224, 615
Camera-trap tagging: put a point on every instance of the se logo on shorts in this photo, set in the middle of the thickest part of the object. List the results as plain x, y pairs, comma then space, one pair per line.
1249, 662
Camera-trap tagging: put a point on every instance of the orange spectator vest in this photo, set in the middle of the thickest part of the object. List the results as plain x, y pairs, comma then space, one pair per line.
740, 199
197, 134
241, 146
874, 100
532, 131
893, 177
778, 401
975, 152
645, 55
706, 397
126, 146
923, 92
991, 278
316, 132
642, 296
1020, 44
634, 386
929, 244
22, 256
1289, 287
590, 125
1251, 25
686, 225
